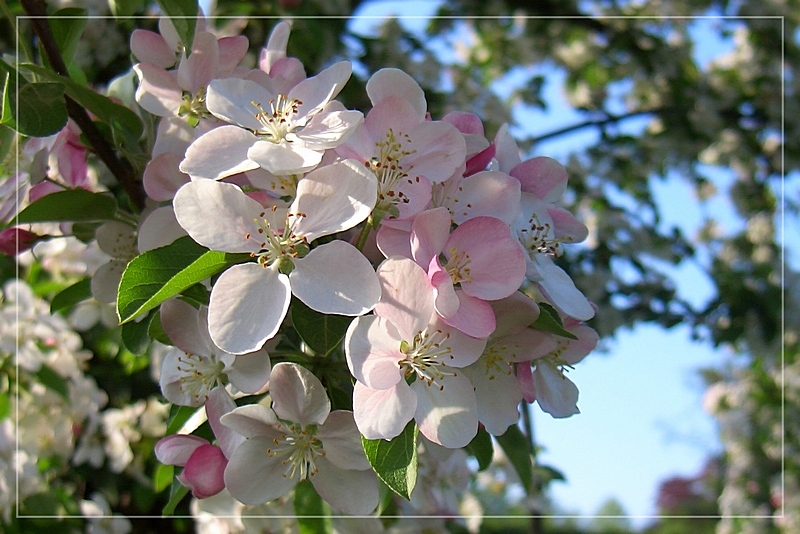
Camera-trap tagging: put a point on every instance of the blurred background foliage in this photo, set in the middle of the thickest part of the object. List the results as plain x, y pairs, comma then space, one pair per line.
727, 129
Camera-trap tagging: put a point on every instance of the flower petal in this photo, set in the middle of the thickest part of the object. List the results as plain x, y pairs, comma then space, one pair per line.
158, 91
251, 420
498, 394
255, 477
447, 412
372, 347
488, 193
247, 306
249, 373
341, 441
474, 316
333, 198
218, 404
150, 47
336, 278
394, 82
283, 158
217, 215
406, 296
177, 448
544, 177
231, 99
298, 395
555, 393
362, 495
203, 473
383, 413
429, 233
219, 153
159, 229
559, 289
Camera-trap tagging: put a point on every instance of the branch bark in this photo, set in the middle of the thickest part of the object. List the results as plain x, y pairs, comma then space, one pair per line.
120, 168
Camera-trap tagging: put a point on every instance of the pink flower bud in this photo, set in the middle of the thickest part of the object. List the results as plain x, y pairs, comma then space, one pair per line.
16, 240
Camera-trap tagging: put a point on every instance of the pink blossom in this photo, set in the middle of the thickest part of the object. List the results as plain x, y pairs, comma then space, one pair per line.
407, 363
16, 240
204, 464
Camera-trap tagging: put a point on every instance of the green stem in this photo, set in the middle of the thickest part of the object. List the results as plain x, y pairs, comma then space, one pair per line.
362, 237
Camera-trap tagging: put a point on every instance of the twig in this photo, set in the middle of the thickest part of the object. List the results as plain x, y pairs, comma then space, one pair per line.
119, 168
595, 122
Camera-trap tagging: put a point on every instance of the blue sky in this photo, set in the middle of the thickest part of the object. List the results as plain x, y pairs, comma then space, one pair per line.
642, 419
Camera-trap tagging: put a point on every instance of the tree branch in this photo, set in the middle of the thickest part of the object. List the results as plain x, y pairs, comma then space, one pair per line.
609, 119
121, 170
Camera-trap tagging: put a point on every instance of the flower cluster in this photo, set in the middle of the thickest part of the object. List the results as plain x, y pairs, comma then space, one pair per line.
335, 281
441, 243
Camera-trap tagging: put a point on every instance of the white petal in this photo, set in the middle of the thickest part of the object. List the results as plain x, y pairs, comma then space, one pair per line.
219, 153
316, 91
341, 441
249, 373
333, 198
251, 420
284, 158
383, 413
231, 100
247, 306
352, 492
253, 476
329, 130
159, 229
218, 404
372, 347
298, 395
105, 281
498, 394
555, 393
406, 296
218, 215
447, 412
395, 82
559, 289
158, 91
180, 322
336, 278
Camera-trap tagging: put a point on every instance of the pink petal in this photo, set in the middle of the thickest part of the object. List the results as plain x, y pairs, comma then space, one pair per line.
544, 177
218, 404
394, 82
202, 65
496, 260
158, 90
406, 296
372, 347
488, 193
150, 47
204, 472
429, 233
474, 316
231, 51
177, 448
162, 177
439, 149
393, 242
566, 226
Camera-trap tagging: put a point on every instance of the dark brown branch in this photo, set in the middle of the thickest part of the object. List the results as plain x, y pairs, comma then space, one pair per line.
118, 167
609, 119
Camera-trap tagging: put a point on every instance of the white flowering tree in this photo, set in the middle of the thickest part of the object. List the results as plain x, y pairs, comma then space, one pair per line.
257, 279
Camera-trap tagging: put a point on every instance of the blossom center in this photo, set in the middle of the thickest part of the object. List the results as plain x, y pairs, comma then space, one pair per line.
193, 107
277, 246
199, 374
299, 448
388, 168
277, 121
535, 237
458, 266
495, 362
424, 355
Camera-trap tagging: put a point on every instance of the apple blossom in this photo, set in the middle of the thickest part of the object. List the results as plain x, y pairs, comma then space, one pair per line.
283, 133
547, 383
406, 362
249, 301
195, 366
299, 438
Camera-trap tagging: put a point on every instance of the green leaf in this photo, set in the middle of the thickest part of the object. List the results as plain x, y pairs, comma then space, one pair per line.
323, 333
5, 405
153, 277
7, 113
77, 292
126, 8
549, 321
162, 478
178, 415
176, 495
311, 511
136, 334
52, 380
67, 25
70, 205
518, 450
183, 15
117, 116
395, 461
481, 448
39, 108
